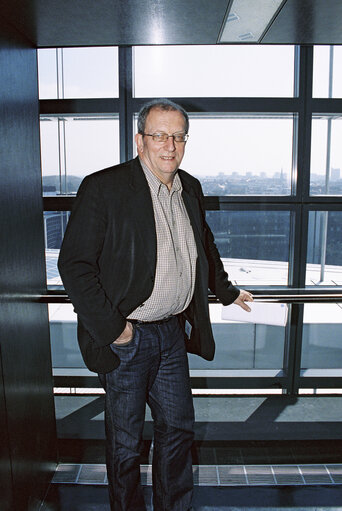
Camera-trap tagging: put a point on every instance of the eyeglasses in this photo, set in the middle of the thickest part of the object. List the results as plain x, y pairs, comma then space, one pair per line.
164, 137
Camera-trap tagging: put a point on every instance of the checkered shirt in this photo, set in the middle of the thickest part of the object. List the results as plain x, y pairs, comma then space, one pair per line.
176, 253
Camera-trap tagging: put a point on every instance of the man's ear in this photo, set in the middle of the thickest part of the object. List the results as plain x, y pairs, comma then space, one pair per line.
139, 142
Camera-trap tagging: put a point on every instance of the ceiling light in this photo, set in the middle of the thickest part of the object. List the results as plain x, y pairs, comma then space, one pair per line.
247, 20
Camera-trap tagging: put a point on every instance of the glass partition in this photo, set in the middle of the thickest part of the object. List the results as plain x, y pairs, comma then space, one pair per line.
327, 72
241, 345
324, 256
213, 71
326, 155
78, 72
254, 245
72, 147
238, 345
55, 223
322, 336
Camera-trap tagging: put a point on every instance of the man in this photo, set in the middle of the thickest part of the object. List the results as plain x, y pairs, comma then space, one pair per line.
137, 260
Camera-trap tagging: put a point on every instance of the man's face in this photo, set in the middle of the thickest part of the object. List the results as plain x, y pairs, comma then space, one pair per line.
162, 158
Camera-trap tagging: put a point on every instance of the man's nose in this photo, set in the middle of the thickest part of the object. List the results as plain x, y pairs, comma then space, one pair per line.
170, 144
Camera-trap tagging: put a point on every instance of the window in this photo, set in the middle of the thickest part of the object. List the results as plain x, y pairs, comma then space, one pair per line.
72, 147
254, 245
241, 154
326, 155
324, 259
55, 223
78, 73
63, 333
214, 71
327, 77
268, 184
242, 345
322, 336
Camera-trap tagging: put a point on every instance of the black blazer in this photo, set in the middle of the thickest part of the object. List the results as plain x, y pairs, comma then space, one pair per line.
108, 259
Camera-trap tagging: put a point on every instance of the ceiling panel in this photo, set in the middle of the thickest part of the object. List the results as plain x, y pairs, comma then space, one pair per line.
124, 22
116, 22
307, 22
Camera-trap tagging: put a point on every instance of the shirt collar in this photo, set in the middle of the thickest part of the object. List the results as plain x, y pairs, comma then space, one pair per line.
155, 183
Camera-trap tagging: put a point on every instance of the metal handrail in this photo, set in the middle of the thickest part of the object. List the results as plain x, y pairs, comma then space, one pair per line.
304, 296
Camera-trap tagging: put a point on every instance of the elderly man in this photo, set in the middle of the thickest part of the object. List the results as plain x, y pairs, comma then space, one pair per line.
137, 260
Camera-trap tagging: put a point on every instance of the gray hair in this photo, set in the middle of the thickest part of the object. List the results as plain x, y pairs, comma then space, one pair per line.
161, 104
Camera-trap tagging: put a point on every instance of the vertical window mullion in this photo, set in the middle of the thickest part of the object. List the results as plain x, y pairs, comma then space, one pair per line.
303, 79
125, 103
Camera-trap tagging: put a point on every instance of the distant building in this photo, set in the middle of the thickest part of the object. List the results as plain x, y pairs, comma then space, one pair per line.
335, 174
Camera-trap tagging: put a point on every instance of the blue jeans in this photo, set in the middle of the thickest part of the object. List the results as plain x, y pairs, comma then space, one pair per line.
154, 369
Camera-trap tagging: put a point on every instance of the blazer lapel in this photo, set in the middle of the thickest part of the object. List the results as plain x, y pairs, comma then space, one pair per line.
143, 215
194, 211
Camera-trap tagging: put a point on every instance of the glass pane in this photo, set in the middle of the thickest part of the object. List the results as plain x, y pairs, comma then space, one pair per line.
82, 73
47, 73
63, 334
322, 336
240, 155
91, 72
327, 75
73, 147
213, 71
243, 155
254, 245
238, 345
324, 259
50, 156
242, 345
326, 156
55, 223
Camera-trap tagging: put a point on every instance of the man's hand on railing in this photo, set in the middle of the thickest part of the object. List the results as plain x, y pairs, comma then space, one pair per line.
243, 297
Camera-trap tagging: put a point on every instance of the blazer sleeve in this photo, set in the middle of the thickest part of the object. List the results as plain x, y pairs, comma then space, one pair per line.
219, 282
78, 265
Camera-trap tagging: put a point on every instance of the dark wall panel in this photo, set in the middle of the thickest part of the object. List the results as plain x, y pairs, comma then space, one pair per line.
5, 460
26, 402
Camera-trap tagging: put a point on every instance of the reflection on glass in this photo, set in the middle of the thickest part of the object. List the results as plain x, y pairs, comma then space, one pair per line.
73, 147
258, 71
55, 223
322, 336
254, 245
90, 72
326, 156
324, 257
327, 72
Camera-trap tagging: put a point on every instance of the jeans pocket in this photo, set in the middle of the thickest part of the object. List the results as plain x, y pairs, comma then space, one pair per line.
127, 344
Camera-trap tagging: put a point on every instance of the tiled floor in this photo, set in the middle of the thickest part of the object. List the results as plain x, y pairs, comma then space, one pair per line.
216, 475
284, 455
288, 498
78, 487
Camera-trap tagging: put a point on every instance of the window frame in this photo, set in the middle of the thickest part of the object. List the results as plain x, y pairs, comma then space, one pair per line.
303, 106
